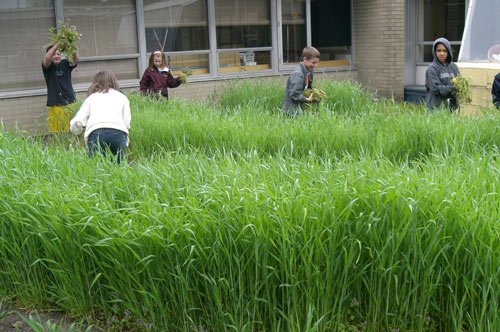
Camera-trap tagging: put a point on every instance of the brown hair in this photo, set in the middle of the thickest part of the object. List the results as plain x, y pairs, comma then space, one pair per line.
152, 57
103, 81
310, 53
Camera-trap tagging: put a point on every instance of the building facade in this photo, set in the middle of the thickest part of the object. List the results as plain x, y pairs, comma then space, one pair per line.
383, 44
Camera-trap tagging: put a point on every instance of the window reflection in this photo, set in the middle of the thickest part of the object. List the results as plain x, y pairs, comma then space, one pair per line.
244, 61
243, 23
294, 35
107, 28
197, 63
22, 47
441, 19
330, 30
176, 25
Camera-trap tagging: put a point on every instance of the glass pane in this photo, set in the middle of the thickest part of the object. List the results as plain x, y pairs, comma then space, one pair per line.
197, 63
243, 23
294, 34
244, 61
123, 70
107, 27
331, 31
482, 39
442, 19
176, 25
23, 49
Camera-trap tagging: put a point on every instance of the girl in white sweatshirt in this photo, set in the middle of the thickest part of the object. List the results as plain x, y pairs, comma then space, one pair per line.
105, 116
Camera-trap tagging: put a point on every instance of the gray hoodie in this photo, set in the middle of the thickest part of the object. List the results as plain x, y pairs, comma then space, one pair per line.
438, 79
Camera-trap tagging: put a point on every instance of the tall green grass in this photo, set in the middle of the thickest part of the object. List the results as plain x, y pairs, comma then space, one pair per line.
350, 122
234, 218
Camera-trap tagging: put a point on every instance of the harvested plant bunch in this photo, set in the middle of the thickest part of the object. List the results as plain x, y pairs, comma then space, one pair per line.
318, 94
183, 77
186, 72
462, 86
67, 37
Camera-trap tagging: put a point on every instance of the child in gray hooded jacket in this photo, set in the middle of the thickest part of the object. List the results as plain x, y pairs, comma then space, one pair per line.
439, 75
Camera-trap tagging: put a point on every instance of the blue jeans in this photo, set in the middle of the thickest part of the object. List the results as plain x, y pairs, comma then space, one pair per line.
107, 139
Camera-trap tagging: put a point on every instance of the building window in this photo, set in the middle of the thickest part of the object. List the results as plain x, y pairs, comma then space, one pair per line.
109, 37
294, 32
330, 24
243, 28
440, 19
178, 28
24, 27
331, 31
243, 23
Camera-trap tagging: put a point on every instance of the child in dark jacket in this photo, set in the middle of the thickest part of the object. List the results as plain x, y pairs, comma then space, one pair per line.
495, 91
299, 80
157, 78
439, 75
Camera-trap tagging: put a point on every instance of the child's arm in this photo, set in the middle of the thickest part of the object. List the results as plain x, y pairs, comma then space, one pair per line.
76, 57
78, 123
47, 59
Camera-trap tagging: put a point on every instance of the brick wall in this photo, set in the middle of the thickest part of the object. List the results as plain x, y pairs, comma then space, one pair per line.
24, 113
379, 40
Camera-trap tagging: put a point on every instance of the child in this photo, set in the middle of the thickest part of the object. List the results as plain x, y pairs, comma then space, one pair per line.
299, 80
57, 74
495, 91
440, 89
157, 78
105, 115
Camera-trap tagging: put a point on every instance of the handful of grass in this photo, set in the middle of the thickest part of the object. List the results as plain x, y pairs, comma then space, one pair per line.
67, 37
186, 72
318, 94
462, 86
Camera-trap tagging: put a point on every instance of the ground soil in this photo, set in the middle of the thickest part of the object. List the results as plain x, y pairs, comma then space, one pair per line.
11, 321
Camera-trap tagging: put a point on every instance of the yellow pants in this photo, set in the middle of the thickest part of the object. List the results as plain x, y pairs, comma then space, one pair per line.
59, 117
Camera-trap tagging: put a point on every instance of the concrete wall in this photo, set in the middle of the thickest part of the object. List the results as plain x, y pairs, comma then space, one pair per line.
481, 77
29, 113
379, 41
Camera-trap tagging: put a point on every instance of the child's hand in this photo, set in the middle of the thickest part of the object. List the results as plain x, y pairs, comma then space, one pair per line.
310, 97
183, 77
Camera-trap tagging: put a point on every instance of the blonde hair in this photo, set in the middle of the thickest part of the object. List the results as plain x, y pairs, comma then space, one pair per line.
103, 81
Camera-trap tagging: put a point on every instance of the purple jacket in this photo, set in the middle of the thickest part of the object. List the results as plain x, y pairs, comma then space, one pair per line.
153, 81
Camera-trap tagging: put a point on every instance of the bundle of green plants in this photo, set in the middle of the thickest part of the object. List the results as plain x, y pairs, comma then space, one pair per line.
67, 36
463, 91
185, 73
317, 94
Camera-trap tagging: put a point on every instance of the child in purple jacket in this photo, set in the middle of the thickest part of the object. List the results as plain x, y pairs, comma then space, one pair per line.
157, 78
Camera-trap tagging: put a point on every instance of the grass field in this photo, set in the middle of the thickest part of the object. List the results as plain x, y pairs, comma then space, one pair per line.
361, 215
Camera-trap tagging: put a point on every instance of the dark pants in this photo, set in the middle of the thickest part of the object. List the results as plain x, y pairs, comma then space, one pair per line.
107, 139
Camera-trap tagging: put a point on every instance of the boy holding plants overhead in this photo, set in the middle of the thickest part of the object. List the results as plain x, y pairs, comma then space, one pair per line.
300, 80
60, 93
57, 74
